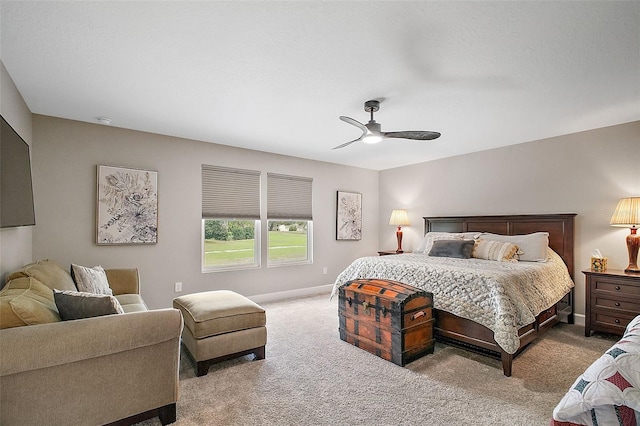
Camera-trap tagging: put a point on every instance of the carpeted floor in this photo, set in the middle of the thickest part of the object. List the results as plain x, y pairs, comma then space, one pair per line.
311, 377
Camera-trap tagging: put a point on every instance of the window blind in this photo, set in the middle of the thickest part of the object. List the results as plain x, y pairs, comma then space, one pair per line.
230, 193
289, 197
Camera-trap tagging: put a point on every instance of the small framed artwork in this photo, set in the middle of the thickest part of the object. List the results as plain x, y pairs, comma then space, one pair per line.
127, 208
349, 216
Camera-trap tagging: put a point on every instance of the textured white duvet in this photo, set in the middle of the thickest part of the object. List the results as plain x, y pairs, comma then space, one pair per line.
502, 296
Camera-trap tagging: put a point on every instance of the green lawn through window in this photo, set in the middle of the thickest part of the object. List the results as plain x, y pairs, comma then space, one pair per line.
283, 246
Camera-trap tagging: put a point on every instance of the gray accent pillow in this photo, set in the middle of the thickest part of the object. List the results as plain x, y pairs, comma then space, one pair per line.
77, 305
460, 249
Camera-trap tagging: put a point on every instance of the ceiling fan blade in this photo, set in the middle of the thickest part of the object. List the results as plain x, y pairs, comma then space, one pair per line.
348, 143
353, 122
412, 134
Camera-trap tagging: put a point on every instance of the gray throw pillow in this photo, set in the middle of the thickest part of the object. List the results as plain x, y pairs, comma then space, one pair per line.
460, 249
77, 305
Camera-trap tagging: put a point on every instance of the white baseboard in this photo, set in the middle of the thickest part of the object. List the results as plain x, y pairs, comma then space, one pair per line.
289, 294
578, 319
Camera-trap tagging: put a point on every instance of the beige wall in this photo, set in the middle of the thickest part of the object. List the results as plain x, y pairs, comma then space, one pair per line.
15, 243
584, 173
65, 157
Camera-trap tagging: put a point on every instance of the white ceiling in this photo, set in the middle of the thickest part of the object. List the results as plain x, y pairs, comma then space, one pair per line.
275, 76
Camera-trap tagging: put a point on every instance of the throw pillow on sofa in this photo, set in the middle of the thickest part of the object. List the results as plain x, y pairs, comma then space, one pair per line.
90, 280
74, 305
26, 301
48, 272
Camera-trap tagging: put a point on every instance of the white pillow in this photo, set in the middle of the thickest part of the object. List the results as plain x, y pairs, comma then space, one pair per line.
533, 247
91, 280
427, 242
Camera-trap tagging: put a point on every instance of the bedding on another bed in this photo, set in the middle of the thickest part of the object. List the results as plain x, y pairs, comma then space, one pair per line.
502, 296
608, 392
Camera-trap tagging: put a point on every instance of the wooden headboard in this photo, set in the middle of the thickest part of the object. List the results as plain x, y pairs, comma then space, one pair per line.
559, 227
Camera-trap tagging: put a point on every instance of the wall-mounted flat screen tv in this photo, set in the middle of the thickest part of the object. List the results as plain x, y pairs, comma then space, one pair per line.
16, 188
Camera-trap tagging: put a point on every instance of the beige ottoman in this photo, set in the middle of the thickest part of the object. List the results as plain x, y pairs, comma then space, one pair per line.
221, 325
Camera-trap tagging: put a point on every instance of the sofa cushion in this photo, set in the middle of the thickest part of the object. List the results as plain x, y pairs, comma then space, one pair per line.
131, 303
74, 305
48, 272
90, 280
26, 301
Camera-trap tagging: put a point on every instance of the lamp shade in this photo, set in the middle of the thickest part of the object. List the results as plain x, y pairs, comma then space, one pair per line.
627, 213
399, 218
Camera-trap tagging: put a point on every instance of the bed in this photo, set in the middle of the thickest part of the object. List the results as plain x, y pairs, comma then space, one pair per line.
608, 392
495, 310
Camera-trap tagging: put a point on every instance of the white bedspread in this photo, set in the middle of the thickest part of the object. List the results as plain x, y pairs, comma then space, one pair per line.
502, 296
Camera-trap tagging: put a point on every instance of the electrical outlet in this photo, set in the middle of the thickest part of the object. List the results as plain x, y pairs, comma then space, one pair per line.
178, 287
324, 270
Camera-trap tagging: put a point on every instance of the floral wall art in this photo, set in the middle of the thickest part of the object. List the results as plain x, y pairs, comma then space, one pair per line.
349, 216
127, 210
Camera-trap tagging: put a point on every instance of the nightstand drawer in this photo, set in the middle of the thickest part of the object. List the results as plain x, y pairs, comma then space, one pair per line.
616, 321
615, 286
619, 304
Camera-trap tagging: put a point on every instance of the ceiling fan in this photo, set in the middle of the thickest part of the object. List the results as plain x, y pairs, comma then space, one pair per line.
371, 132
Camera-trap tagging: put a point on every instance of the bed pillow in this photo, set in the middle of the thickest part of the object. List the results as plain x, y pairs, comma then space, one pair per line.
495, 250
430, 237
90, 280
533, 247
460, 249
74, 305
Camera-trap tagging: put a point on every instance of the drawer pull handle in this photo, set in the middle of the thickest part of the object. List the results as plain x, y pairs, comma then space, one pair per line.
384, 311
617, 321
617, 303
350, 302
365, 305
418, 315
617, 287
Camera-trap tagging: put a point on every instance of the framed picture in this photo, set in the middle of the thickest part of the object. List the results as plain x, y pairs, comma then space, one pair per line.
349, 216
127, 209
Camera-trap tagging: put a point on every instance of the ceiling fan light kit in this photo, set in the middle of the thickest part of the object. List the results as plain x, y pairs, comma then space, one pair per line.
372, 131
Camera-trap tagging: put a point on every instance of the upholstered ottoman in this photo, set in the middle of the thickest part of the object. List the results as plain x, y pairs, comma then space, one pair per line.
221, 325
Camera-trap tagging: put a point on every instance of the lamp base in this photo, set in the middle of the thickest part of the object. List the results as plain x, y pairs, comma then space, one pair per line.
399, 238
633, 244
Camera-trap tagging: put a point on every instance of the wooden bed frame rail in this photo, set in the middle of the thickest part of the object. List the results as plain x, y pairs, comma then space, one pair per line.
471, 335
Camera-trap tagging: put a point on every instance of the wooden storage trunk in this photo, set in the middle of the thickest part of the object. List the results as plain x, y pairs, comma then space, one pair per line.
387, 318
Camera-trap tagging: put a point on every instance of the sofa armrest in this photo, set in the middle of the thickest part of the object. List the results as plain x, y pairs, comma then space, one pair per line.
124, 281
73, 341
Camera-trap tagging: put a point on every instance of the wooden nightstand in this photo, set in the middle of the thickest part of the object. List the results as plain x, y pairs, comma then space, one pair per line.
388, 253
612, 300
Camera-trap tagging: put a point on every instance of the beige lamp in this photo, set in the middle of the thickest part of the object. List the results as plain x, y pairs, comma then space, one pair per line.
627, 215
399, 218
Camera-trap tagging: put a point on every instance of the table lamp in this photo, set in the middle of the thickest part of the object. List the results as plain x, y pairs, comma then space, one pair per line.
627, 215
399, 218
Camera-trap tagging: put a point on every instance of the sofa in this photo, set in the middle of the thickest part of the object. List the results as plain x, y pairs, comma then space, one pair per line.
120, 368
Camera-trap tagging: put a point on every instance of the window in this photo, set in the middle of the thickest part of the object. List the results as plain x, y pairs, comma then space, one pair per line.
289, 241
289, 220
230, 218
230, 244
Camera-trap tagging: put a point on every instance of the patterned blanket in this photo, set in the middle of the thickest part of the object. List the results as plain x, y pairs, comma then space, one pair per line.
502, 296
608, 392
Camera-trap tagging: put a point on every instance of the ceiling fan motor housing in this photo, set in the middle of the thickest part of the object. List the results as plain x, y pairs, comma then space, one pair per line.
372, 106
